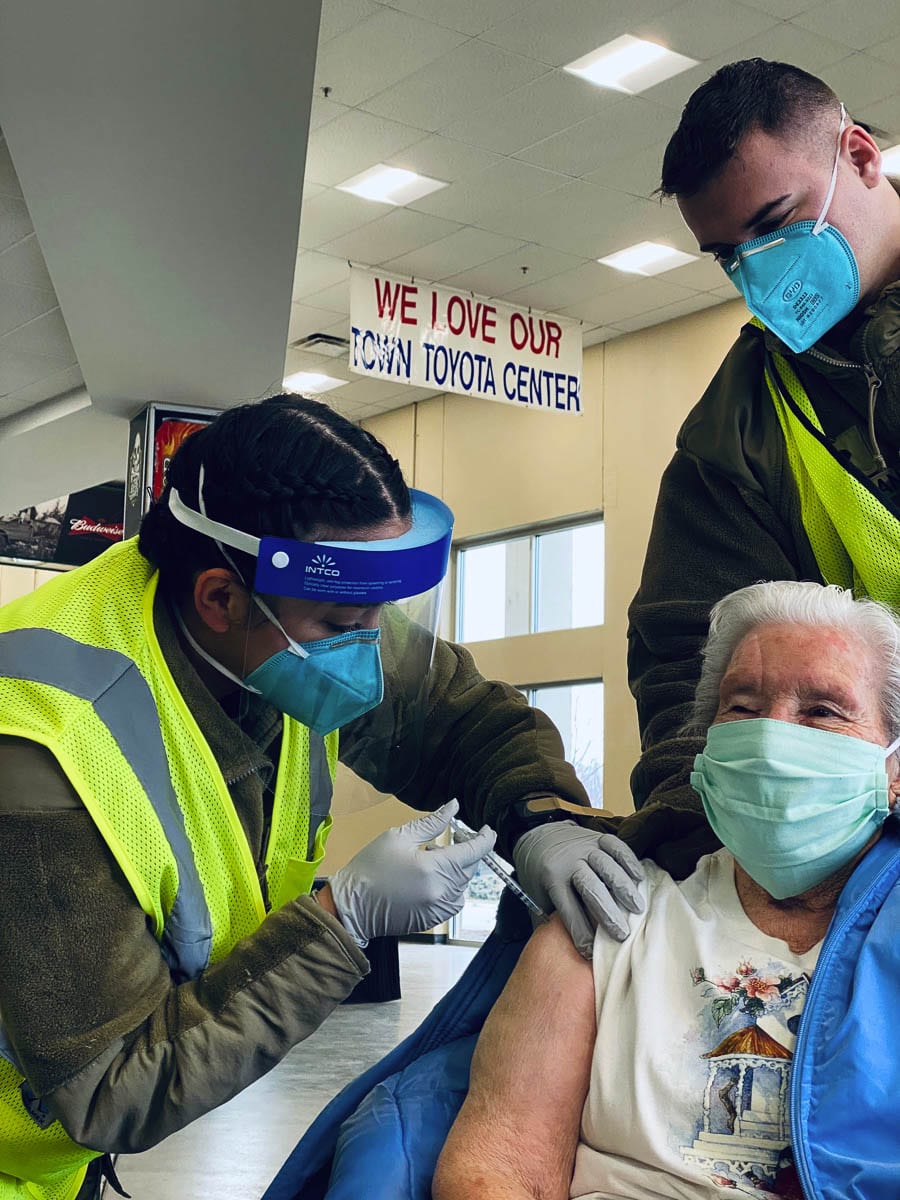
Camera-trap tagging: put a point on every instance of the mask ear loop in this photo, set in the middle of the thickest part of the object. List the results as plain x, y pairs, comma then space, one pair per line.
892, 747
201, 505
260, 603
822, 222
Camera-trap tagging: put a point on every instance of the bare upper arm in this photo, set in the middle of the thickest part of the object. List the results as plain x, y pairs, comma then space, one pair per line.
517, 1132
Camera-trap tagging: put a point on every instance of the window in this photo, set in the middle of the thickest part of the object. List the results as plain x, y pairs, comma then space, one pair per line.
531, 584
577, 711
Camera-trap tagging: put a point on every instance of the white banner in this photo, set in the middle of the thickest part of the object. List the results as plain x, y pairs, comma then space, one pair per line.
411, 331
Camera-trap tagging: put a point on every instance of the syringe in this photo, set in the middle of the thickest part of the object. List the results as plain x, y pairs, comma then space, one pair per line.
492, 862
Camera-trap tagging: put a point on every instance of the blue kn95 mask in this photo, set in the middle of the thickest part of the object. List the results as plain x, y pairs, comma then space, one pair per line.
324, 684
799, 280
792, 803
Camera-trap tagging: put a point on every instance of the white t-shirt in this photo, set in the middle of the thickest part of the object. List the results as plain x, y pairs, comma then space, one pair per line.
696, 1019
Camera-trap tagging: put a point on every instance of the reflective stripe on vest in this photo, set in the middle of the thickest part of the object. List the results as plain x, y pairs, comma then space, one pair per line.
82, 673
122, 701
854, 536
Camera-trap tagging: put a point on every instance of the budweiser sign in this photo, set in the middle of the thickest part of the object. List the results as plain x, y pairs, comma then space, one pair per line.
87, 525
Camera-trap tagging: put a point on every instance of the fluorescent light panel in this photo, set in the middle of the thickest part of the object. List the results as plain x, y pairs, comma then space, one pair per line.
304, 382
647, 258
390, 185
890, 160
629, 64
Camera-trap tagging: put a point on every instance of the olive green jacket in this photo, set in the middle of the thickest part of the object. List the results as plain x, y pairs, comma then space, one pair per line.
120, 1054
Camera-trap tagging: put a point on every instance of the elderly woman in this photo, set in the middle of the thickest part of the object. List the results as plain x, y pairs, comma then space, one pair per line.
667, 1071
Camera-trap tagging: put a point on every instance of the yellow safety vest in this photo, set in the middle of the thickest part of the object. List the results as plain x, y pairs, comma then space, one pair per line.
82, 673
854, 536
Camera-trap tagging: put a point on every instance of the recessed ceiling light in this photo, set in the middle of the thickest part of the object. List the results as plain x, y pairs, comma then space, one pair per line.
647, 258
629, 64
310, 381
390, 185
890, 160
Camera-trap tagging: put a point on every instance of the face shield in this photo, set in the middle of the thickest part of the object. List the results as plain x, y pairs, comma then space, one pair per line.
403, 575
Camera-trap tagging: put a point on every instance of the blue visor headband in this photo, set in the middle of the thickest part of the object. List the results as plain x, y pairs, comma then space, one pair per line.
358, 573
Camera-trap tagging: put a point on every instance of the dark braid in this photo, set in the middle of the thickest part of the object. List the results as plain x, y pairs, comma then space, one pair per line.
286, 466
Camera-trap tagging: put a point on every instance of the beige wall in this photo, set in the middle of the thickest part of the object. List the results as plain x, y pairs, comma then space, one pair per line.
500, 468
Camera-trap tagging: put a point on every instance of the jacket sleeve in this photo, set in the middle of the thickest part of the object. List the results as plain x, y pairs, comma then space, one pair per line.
462, 736
116, 1051
711, 534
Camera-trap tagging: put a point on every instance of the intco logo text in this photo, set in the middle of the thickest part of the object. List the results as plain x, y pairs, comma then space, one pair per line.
322, 564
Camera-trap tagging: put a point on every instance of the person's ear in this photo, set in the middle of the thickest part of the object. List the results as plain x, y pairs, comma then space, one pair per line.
894, 792
221, 600
862, 150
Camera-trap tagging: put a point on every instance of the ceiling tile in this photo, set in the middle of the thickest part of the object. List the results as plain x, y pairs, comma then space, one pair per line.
19, 368
399, 232
668, 312
330, 214
888, 51
600, 333
585, 282
15, 222
340, 15
335, 299
305, 320
541, 108
50, 381
324, 110
468, 16
20, 304
9, 182
609, 137
560, 32
380, 52
503, 275
352, 143
638, 173
701, 28
860, 24
476, 199
885, 114
860, 80
784, 9
630, 301
571, 218
705, 274
46, 335
466, 79
783, 42
24, 263
315, 271
467, 247
443, 158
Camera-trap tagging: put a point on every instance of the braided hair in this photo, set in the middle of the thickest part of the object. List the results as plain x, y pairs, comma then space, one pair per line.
286, 466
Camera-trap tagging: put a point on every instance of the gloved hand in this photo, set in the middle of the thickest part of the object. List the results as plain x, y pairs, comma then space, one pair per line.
588, 878
395, 885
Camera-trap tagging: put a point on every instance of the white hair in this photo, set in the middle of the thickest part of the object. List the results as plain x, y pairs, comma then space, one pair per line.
789, 602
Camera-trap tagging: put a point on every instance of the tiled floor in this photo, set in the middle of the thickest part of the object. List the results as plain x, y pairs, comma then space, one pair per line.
233, 1153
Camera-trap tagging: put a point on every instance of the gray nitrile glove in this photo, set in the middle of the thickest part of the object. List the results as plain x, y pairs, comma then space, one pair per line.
588, 878
395, 885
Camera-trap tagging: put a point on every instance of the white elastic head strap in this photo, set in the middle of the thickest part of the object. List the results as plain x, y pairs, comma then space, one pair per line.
892, 747
821, 222
201, 523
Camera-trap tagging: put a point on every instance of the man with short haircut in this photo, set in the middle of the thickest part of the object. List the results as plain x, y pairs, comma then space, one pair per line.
788, 467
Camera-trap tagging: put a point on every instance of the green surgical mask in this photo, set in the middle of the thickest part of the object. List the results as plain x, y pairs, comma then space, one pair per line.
792, 803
